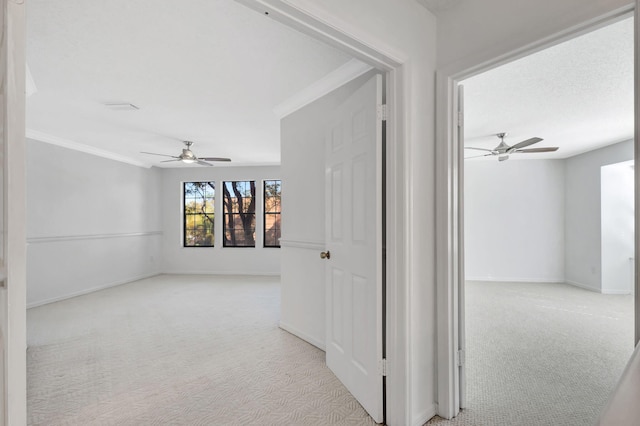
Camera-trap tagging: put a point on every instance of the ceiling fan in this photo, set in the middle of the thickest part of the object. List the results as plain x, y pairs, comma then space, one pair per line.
503, 150
187, 156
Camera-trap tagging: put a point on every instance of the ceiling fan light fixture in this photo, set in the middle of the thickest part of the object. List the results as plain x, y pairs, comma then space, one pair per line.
188, 160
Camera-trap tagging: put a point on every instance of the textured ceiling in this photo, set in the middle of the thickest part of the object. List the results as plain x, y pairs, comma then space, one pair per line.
577, 95
210, 71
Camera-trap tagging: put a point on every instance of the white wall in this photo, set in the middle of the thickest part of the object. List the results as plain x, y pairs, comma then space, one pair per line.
539, 220
91, 223
214, 260
617, 207
583, 214
405, 30
514, 220
94, 223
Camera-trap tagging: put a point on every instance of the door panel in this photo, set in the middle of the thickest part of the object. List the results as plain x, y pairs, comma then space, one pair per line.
354, 220
358, 200
336, 209
337, 309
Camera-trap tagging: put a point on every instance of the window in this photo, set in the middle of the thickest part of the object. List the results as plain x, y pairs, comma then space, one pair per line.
239, 198
272, 207
198, 214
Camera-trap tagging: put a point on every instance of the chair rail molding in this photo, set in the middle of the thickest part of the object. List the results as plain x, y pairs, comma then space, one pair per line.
310, 245
60, 238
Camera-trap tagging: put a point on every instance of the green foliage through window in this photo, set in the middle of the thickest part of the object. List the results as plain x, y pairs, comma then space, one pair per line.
199, 200
272, 209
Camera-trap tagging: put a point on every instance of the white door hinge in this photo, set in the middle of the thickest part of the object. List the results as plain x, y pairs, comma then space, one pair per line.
382, 367
460, 358
382, 111
460, 119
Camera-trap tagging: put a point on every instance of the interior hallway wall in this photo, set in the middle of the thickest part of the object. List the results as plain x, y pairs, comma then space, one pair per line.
514, 220
91, 223
406, 31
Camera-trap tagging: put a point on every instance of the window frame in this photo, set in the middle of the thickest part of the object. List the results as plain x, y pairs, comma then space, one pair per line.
184, 214
265, 213
225, 214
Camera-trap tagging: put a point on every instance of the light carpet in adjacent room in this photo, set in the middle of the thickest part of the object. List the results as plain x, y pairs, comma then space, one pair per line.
542, 354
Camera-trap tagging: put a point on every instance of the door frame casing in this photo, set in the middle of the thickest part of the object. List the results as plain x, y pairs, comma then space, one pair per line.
450, 192
398, 380
13, 407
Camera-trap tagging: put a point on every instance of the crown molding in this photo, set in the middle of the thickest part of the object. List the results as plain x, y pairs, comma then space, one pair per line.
76, 146
340, 76
436, 6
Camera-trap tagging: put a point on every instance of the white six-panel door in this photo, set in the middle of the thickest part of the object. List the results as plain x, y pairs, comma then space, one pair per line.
353, 241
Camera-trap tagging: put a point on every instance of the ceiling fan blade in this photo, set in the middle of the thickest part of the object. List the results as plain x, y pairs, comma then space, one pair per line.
170, 161
479, 149
525, 143
214, 159
503, 158
478, 156
154, 153
549, 149
203, 163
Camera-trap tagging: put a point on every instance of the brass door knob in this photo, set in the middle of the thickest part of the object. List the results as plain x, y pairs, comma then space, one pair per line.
325, 255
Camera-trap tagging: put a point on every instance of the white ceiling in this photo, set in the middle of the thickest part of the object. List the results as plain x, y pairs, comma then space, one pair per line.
577, 95
209, 71
218, 73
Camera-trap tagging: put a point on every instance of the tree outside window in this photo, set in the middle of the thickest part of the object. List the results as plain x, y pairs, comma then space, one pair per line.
199, 200
272, 209
239, 200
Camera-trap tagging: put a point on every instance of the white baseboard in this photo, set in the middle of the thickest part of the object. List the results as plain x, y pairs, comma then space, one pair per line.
516, 280
304, 336
583, 286
619, 292
192, 272
425, 416
89, 290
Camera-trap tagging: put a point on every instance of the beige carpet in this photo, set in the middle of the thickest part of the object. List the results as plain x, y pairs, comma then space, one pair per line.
193, 350
178, 350
542, 354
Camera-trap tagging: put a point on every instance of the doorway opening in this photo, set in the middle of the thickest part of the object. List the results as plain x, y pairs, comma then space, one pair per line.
617, 219
388, 66
534, 243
